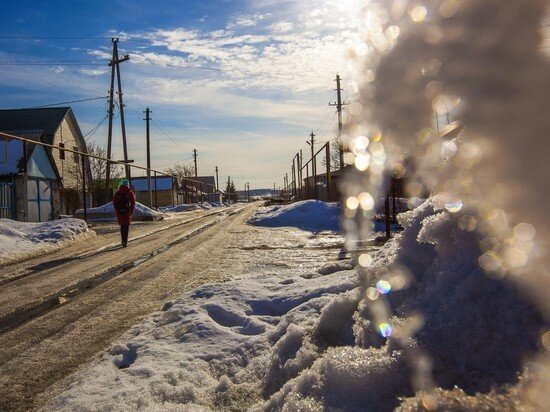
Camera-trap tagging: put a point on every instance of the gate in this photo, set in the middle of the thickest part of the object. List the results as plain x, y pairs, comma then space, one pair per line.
7, 200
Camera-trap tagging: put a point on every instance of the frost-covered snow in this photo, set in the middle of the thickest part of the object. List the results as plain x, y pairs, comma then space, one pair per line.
313, 215
315, 342
106, 213
22, 239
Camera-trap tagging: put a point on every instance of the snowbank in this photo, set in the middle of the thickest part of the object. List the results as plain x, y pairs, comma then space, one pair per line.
421, 316
313, 215
106, 213
22, 239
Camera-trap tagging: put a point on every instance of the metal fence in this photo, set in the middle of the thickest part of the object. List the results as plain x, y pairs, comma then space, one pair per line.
7, 200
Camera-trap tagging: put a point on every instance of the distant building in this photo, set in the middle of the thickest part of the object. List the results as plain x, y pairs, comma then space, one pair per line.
164, 190
58, 126
32, 196
203, 188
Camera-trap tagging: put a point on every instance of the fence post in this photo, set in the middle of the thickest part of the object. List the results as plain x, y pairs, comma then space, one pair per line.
328, 171
314, 172
156, 199
83, 160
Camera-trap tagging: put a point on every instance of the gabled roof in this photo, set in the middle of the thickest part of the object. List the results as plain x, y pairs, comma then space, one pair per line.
47, 119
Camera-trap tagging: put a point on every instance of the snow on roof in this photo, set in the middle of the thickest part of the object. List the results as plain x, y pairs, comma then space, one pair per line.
139, 184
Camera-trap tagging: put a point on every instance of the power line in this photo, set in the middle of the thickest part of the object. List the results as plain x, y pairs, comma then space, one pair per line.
76, 38
95, 129
69, 102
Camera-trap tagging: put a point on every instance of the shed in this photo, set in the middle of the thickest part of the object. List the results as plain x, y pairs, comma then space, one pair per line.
59, 127
29, 192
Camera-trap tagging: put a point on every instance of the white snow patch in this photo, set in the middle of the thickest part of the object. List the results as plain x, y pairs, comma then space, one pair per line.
106, 213
312, 215
314, 344
21, 239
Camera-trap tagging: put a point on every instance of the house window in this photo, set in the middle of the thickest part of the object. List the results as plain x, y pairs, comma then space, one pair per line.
75, 155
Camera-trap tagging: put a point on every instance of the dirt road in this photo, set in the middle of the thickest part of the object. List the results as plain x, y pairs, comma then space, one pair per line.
60, 310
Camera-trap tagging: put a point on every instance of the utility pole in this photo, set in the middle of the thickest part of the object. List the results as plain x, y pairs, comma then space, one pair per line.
217, 180
339, 105
115, 67
195, 158
248, 192
300, 173
311, 143
149, 188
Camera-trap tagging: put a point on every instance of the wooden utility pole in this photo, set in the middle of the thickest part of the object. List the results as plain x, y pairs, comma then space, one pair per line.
149, 188
83, 163
339, 105
121, 109
311, 143
217, 180
195, 158
115, 67
110, 128
293, 176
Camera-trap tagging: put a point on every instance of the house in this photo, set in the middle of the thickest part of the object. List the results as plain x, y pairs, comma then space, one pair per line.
59, 128
164, 190
29, 191
205, 189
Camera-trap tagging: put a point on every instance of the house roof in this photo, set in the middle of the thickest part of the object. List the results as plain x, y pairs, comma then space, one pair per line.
207, 181
46, 119
139, 184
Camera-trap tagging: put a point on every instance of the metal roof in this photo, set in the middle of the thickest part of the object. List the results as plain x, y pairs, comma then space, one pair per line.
47, 119
139, 184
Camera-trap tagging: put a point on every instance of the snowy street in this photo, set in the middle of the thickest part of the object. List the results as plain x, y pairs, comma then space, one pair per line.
58, 311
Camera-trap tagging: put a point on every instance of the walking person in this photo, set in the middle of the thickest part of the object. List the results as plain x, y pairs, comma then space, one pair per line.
124, 202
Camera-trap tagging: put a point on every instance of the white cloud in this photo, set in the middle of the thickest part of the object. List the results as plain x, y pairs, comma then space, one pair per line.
246, 20
209, 97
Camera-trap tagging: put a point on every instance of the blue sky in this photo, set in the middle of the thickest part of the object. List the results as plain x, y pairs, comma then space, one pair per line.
242, 81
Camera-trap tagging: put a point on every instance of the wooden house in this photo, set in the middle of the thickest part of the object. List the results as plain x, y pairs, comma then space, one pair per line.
60, 128
29, 191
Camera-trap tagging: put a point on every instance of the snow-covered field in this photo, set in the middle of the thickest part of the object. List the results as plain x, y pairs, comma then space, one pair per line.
417, 313
22, 239
106, 213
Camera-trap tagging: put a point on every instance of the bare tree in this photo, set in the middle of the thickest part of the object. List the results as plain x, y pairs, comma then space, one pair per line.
180, 171
334, 156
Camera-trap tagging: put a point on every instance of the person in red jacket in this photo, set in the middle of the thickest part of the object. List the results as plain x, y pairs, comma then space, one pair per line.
124, 202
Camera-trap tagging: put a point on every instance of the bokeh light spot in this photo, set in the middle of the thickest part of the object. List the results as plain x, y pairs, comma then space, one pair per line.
365, 260
352, 203
385, 329
467, 223
383, 287
418, 13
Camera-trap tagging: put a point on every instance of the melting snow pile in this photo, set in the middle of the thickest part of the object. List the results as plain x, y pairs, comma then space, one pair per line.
106, 213
22, 239
313, 215
311, 343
